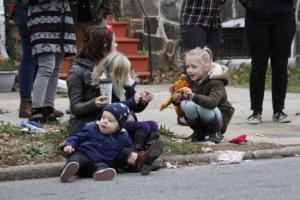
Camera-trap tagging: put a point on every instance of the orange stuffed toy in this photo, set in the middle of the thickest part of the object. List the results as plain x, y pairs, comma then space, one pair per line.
175, 89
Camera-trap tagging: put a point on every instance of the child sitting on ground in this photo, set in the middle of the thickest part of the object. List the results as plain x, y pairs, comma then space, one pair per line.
144, 134
94, 151
206, 109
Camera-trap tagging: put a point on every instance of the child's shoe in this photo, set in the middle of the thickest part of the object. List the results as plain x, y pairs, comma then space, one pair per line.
70, 170
182, 121
146, 158
216, 137
104, 174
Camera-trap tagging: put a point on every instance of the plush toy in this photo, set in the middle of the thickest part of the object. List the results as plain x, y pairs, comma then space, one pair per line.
175, 88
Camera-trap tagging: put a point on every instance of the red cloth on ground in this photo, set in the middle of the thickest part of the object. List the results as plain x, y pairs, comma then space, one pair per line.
239, 139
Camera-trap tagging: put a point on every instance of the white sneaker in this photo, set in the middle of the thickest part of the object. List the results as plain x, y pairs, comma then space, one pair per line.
281, 117
104, 174
70, 170
255, 118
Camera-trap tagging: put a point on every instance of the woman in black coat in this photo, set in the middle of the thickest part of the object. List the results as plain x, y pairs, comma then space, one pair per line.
270, 27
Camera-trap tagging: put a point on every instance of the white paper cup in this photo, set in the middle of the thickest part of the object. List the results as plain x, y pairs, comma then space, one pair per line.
106, 88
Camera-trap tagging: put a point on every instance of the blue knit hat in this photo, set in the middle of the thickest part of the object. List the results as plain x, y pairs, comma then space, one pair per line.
120, 111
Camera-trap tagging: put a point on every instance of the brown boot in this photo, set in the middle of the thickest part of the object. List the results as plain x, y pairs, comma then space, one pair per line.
52, 114
25, 109
146, 158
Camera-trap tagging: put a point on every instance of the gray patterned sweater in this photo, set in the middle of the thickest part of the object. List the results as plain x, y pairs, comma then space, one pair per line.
51, 28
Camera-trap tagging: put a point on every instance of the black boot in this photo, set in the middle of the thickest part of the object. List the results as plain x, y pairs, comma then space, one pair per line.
49, 113
214, 129
37, 115
199, 131
145, 159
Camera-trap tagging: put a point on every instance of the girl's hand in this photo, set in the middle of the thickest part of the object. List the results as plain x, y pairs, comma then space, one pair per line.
130, 118
101, 101
176, 97
146, 97
69, 149
187, 92
137, 97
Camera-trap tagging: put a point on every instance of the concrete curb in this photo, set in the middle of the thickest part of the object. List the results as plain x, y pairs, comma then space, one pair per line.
54, 169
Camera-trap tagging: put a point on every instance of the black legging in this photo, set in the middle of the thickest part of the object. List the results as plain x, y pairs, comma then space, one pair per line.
86, 166
269, 41
192, 37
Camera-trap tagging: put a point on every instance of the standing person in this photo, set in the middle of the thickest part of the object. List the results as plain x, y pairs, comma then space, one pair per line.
87, 13
52, 36
270, 27
207, 110
200, 24
28, 65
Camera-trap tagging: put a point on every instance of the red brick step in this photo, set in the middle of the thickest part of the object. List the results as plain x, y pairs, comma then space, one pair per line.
119, 28
128, 46
139, 63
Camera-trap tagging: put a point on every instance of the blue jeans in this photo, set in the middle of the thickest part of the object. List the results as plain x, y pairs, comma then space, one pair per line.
28, 66
193, 111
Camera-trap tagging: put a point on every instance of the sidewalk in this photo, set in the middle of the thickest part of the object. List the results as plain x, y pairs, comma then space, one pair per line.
268, 131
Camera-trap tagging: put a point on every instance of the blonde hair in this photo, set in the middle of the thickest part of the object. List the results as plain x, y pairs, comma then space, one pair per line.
116, 67
203, 57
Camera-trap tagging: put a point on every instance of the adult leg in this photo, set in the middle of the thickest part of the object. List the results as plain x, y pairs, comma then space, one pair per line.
259, 44
281, 39
28, 65
192, 37
47, 65
213, 41
51, 89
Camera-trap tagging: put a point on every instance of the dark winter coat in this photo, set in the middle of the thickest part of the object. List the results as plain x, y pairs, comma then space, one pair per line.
210, 93
269, 11
98, 146
51, 27
82, 95
90, 10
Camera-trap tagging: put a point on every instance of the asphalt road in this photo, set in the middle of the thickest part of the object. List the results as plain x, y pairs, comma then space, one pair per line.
255, 180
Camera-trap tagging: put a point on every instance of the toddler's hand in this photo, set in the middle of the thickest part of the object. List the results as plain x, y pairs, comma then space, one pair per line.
101, 101
69, 149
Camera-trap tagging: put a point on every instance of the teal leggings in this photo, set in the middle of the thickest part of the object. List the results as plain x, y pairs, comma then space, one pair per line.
193, 111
